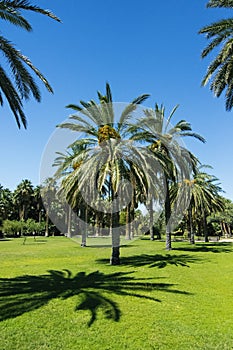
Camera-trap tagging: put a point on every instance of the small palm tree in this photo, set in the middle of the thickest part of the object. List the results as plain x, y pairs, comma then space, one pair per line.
22, 85
219, 72
204, 199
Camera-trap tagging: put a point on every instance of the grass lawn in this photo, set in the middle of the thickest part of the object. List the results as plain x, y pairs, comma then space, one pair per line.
55, 295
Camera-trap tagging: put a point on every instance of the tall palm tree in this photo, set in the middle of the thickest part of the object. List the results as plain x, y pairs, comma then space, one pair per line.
108, 158
22, 85
162, 139
220, 71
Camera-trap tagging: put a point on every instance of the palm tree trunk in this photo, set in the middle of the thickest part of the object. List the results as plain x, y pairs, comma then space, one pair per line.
114, 228
69, 216
132, 226
97, 223
205, 229
151, 220
224, 229
47, 223
191, 232
115, 258
167, 216
83, 226
229, 230
128, 222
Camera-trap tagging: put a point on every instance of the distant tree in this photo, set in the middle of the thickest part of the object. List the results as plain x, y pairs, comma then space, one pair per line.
37, 204
18, 84
224, 218
220, 71
13, 227
48, 193
204, 200
22, 198
6, 203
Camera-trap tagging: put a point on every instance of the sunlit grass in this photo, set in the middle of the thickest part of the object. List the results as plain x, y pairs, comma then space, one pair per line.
56, 295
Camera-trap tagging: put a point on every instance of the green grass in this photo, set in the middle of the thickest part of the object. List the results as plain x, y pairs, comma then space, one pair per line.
55, 295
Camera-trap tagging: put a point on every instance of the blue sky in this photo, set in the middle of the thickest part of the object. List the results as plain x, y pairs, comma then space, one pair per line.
138, 47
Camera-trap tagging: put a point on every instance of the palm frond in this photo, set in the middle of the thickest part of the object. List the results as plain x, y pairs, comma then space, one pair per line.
10, 14
140, 99
195, 135
13, 98
220, 3
170, 117
23, 80
26, 5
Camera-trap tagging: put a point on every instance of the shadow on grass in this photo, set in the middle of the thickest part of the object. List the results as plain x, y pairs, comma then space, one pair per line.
156, 260
109, 245
27, 293
215, 247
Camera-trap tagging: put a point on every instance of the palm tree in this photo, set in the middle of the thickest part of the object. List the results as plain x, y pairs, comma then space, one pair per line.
22, 85
108, 159
175, 160
48, 195
38, 203
223, 217
204, 199
66, 164
22, 197
220, 71
6, 203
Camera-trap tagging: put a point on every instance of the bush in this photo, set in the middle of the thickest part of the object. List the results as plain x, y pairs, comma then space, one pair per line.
16, 228
12, 227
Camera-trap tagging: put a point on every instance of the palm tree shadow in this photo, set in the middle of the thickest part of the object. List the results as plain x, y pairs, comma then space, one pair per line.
27, 293
216, 247
156, 260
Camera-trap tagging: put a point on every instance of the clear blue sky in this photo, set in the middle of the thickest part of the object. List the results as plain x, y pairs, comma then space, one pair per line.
138, 47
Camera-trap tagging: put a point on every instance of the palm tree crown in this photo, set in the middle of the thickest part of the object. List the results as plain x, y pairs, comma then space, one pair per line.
220, 71
22, 85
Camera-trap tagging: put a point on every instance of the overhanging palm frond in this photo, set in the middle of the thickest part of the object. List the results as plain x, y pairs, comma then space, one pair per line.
10, 14
219, 72
23, 83
220, 3
13, 98
23, 80
26, 5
